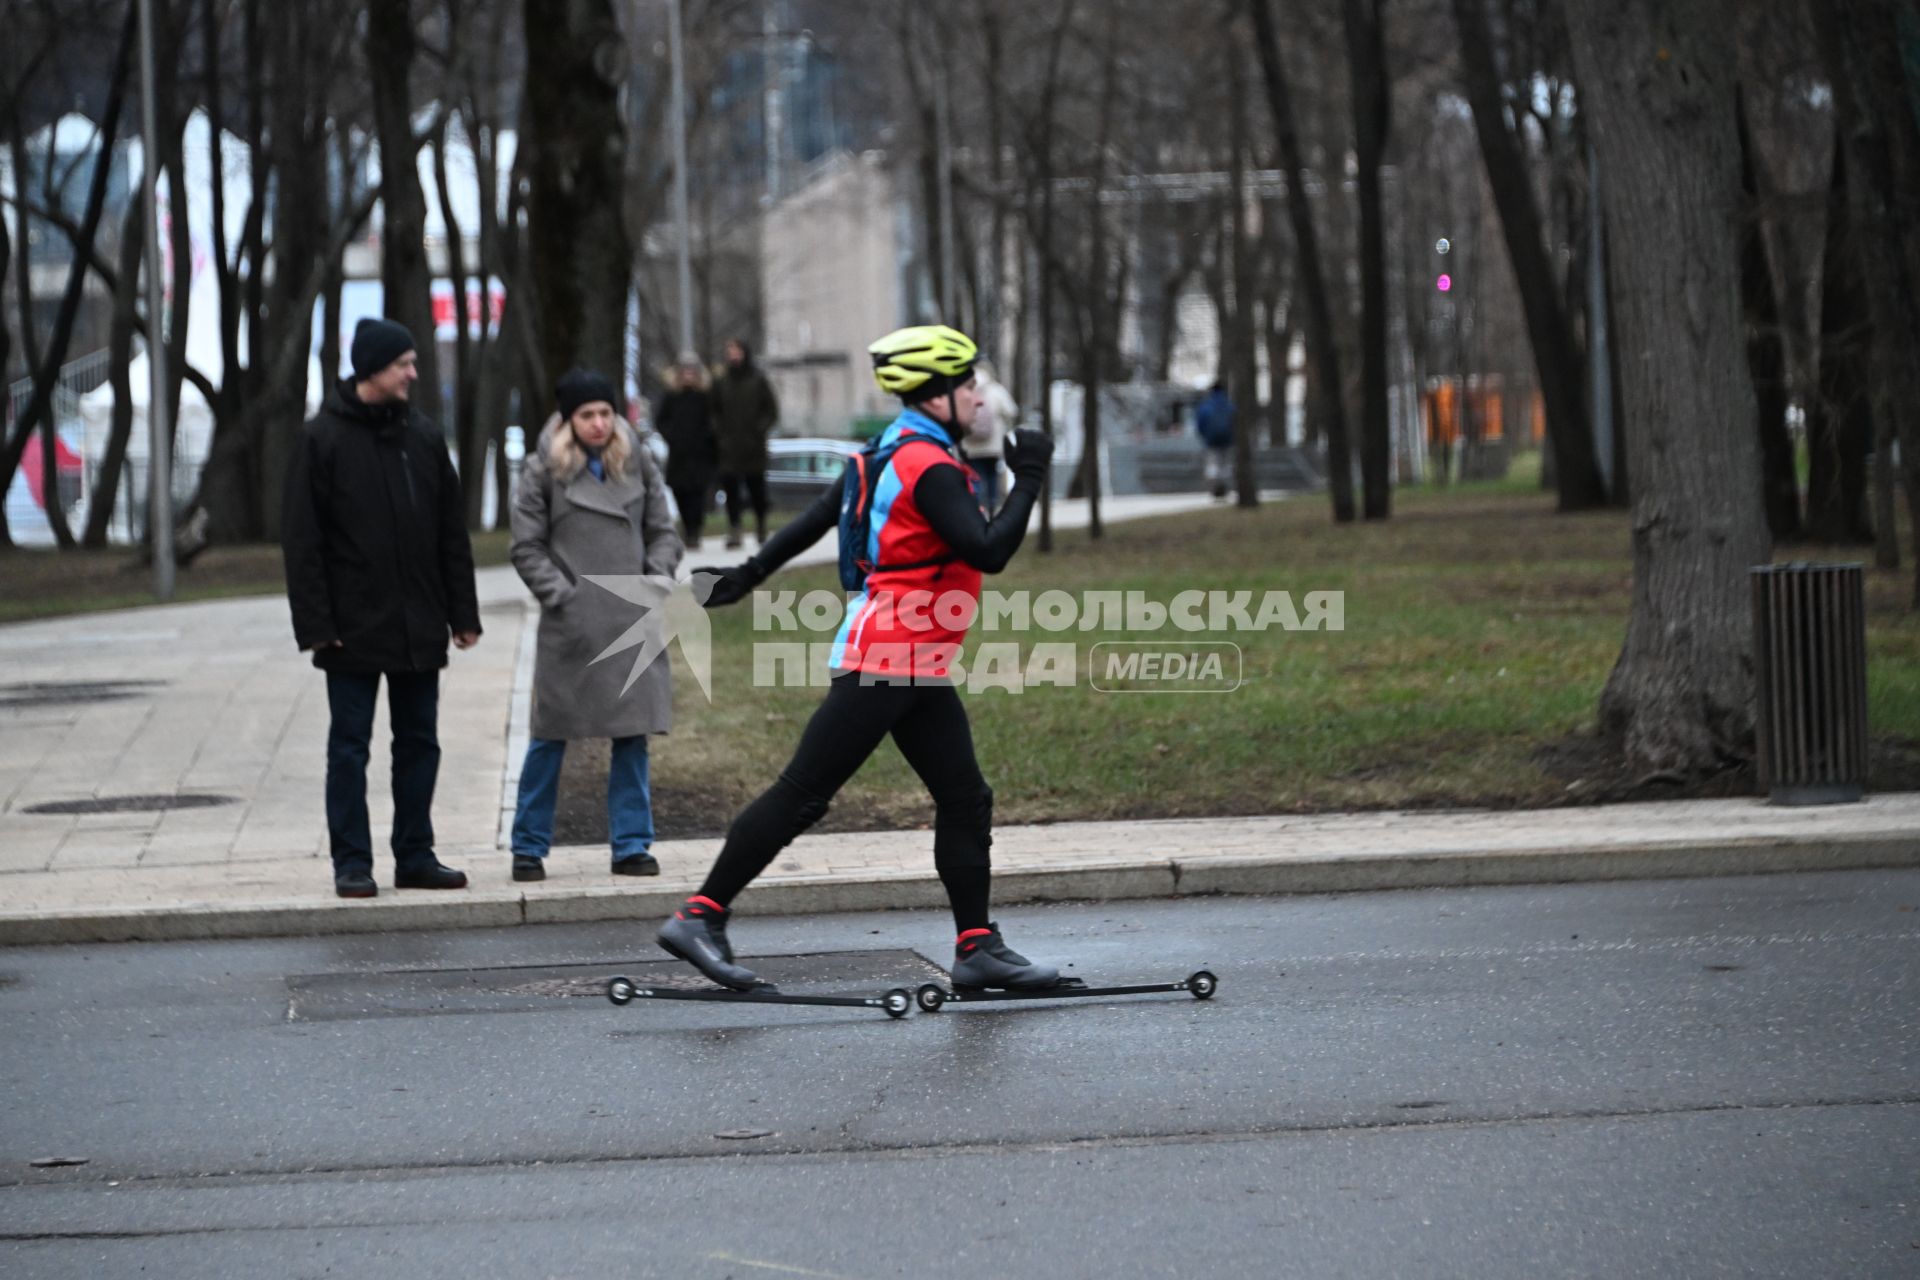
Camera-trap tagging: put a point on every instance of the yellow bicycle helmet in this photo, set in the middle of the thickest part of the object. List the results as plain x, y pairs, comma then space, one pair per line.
906, 360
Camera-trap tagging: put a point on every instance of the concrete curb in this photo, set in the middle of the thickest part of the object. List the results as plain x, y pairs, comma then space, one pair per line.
1119, 881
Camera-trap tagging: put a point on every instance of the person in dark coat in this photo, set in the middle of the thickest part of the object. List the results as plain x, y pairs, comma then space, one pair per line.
379, 574
745, 412
684, 419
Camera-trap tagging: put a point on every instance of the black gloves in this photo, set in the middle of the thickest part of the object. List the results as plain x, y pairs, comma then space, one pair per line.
715, 587
1028, 453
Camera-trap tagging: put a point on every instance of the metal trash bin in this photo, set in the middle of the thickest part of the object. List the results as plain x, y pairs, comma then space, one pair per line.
1810, 672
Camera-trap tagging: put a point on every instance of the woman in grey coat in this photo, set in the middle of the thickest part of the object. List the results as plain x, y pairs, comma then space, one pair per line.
590, 501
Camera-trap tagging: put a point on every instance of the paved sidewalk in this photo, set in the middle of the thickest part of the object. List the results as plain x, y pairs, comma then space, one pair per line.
211, 699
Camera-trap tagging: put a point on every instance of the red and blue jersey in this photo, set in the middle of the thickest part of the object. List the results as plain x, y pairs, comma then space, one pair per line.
909, 621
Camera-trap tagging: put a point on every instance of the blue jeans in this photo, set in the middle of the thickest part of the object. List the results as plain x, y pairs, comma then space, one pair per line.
629, 798
413, 708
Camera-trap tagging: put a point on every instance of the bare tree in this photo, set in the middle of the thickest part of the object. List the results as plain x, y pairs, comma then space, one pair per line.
119, 356
1322, 342
1370, 90
1660, 93
579, 262
1861, 41
39, 411
1839, 419
1766, 351
406, 277
1556, 355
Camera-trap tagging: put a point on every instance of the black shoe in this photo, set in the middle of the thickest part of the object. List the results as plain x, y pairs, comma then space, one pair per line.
527, 868
355, 884
697, 933
640, 864
428, 875
985, 960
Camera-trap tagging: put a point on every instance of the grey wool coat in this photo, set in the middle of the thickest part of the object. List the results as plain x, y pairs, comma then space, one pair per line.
563, 531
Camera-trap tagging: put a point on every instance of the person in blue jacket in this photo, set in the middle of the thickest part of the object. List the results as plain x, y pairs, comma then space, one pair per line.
1213, 420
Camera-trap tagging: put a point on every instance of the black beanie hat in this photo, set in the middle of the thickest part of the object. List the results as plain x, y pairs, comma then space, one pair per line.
583, 386
377, 344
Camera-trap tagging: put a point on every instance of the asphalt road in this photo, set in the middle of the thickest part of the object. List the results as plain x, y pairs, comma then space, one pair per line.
1686, 1078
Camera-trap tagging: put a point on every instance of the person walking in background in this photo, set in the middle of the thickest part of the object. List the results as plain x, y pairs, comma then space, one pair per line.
379, 574
684, 420
591, 501
1213, 421
987, 440
745, 413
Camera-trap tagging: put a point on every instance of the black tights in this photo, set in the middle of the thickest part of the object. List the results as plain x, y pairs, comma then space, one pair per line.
929, 725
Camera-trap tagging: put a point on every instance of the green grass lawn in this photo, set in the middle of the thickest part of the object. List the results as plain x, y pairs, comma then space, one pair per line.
1480, 627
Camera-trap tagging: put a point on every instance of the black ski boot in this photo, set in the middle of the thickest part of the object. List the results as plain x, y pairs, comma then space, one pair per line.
982, 958
697, 933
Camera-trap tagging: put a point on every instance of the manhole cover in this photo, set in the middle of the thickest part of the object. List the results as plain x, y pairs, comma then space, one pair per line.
54, 693
326, 997
128, 804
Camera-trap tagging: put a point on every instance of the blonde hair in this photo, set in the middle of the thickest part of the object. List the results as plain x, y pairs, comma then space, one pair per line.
566, 455
670, 376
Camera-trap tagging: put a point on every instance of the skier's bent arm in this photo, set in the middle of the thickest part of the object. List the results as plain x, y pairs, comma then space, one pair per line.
942, 496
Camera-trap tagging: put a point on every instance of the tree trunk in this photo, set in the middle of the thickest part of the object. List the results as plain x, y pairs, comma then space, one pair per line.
106, 484
1322, 345
993, 324
171, 109
1237, 356
1680, 698
1839, 419
1766, 356
1048, 92
493, 387
1279, 336
1368, 87
23, 281
578, 258
6, 265
1556, 355
406, 277
1874, 100
469, 444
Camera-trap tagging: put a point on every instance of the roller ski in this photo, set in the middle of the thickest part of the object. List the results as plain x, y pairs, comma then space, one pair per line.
897, 1003
697, 934
986, 968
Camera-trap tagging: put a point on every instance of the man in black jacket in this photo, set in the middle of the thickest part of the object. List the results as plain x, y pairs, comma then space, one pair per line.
379, 573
